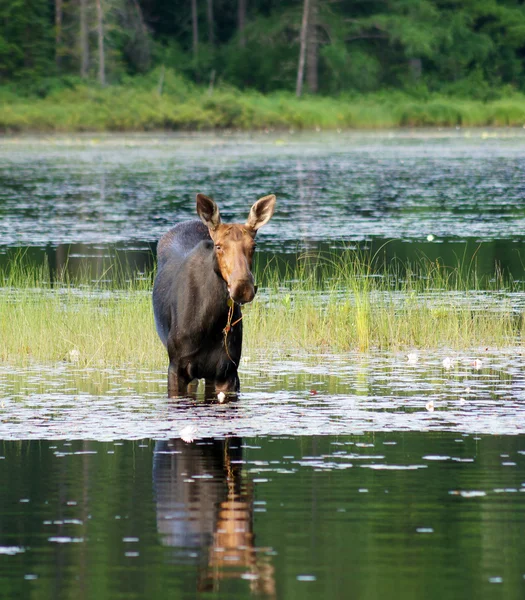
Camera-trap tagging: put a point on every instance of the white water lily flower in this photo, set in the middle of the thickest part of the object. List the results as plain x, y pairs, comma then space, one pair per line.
188, 433
430, 406
448, 363
412, 358
477, 364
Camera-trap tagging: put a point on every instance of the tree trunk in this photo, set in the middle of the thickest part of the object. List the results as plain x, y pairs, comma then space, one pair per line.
209, 12
241, 21
58, 32
195, 28
101, 57
416, 68
302, 49
161, 80
142, 39
84, 40
312, 49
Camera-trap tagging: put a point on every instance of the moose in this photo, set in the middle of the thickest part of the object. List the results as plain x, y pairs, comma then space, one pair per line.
203, 278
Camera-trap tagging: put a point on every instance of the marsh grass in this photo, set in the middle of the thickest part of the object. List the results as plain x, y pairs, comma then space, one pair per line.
87, 321
349, 302
332, 303
137, 106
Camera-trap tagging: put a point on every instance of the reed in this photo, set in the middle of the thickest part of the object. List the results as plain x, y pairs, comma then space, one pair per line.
349, 302
332, 303
90, 322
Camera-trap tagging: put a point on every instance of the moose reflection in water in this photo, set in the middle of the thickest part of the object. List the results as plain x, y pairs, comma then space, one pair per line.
204, 509
204, 276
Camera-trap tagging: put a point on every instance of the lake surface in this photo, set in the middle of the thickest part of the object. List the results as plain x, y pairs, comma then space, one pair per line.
86, 196
368, 475
314, 394
433, 515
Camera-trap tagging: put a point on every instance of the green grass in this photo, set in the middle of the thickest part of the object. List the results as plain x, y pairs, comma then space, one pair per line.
341, 303
329, 303
138, 106
87, 322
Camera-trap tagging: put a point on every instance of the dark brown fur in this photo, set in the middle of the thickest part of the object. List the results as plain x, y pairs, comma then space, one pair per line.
202, 266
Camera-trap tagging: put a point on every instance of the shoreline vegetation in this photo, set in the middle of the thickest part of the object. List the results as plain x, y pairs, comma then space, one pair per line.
139, 105
327, 304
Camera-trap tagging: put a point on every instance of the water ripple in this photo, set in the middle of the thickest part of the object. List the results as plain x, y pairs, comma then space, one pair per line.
353, 187
315, 395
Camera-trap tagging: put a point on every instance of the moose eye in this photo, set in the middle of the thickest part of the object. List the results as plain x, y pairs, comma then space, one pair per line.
218, 247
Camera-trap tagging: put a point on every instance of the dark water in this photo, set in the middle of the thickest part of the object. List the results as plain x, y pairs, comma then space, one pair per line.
87, 198
367, 516
376, 475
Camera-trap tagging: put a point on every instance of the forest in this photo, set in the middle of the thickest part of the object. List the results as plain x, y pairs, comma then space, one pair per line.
469, 50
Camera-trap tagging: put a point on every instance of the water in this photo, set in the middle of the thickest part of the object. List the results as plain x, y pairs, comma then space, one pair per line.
93, 196
481, 392
375, 475
386, 515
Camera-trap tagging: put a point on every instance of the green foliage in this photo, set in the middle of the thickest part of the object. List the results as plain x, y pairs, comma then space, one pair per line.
465, 48
164, 99
164, 81
356, 70
268, 61
26, 39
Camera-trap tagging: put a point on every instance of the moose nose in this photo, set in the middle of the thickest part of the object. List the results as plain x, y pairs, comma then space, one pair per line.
243, 291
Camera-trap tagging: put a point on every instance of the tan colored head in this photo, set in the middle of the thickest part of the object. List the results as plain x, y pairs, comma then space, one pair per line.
235, 243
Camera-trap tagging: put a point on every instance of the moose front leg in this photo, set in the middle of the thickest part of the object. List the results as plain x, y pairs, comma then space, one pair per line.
177, 382
230, 387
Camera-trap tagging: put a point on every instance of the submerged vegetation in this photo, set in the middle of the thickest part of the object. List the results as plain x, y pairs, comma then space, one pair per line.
328, 303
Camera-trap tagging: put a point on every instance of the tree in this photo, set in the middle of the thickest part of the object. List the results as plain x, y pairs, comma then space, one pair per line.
101, 50
241, 22
460, 46
312, 49
27, 40
302, 48
209, 14
58, 32
195, 29
136, 46
84, 40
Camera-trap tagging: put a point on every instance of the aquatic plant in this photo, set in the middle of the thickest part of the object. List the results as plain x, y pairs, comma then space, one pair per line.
90, 322
327, 302
352, 302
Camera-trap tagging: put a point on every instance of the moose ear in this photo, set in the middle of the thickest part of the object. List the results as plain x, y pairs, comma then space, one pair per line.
208, 211
261, 212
